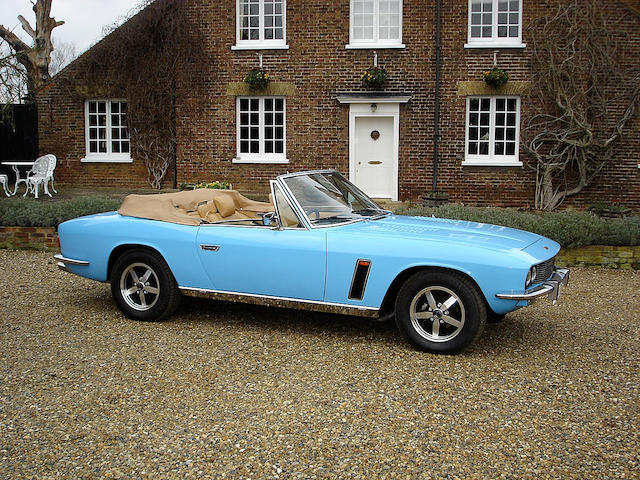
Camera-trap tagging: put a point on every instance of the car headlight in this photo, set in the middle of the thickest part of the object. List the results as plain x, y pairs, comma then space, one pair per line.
531, 275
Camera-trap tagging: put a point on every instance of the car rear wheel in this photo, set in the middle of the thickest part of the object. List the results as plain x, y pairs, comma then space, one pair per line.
440, 312
143, 286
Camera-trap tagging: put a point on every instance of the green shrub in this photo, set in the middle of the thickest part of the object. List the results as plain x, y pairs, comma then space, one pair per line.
569, 228
29, 212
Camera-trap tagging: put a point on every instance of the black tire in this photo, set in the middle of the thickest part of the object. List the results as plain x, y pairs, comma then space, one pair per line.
493, 317
447, 298
150, 299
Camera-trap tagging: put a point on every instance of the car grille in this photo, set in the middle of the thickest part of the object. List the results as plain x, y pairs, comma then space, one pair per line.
544, 270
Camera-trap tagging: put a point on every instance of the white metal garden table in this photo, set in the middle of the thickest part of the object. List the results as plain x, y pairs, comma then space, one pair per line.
16, 168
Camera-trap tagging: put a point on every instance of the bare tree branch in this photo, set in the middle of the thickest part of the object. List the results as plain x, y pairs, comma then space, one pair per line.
35, 58
27, 27
13, 40
581, 83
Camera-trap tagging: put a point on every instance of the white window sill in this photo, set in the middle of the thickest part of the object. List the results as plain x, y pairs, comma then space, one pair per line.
494, 45
106, 159
260, 160
491, 163
259, 46
362, 46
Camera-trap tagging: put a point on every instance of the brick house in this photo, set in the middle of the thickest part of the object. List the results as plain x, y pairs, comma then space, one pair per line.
316, 114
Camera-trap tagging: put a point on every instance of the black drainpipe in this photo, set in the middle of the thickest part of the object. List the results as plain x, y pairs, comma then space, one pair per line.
436, 108
174, 126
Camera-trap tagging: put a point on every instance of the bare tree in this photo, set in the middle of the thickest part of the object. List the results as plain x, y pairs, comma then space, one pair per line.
34, 58
581, 78
13, 77
63, 55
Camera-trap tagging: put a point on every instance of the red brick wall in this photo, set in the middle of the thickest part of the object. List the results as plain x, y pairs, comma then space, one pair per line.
27, 238
61, 130
318, 64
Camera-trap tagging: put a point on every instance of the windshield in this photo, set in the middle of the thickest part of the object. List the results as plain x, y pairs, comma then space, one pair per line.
328, 198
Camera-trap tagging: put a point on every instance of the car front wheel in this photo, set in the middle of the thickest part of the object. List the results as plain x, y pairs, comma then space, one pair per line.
440, 312
143, 286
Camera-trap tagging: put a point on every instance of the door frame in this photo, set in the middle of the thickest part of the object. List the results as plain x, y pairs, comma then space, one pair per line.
374, 107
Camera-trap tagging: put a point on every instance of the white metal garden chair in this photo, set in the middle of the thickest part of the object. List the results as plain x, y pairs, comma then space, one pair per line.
52, 165
4, 180
41, 173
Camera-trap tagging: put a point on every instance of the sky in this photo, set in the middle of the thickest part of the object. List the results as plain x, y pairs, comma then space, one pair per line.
83, 19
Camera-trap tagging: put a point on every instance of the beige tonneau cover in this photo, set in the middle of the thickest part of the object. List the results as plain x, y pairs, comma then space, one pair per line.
191, 207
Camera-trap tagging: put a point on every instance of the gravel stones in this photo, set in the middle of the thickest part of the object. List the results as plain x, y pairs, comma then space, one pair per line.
238, 391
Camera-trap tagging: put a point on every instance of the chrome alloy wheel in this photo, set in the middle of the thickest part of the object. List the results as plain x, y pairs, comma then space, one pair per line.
139, 286
437, 314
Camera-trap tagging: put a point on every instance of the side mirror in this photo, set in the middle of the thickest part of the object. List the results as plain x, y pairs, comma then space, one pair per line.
271, 220
266, 219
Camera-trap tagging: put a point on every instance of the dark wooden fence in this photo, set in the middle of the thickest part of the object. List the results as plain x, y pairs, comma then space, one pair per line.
18, 136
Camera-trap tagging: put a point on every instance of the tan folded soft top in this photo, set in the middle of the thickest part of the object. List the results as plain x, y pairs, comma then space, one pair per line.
193, 206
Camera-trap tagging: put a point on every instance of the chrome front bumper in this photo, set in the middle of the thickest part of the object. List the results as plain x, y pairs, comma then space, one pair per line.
63, 261
551, 288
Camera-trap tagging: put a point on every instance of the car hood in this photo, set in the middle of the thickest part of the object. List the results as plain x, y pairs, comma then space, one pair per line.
443, 230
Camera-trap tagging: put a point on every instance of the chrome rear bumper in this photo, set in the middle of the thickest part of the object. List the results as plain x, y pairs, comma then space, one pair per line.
63, 261
551, 288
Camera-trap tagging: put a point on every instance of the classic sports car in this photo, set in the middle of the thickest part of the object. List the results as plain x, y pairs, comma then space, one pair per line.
319, 244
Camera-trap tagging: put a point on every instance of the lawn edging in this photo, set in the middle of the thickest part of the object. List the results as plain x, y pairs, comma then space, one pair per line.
625, 258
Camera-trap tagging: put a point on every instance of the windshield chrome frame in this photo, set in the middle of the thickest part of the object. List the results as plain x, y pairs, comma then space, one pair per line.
297, 210
301, 213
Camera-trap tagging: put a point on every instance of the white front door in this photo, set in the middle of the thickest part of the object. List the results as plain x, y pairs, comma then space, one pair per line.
374, 156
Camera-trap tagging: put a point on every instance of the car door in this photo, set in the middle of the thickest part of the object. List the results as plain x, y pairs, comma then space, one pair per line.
264, 260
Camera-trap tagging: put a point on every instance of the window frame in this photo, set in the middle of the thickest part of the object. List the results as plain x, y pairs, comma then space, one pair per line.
377, 43
492, 160
261, 157
261, 43
109, 156
494, 41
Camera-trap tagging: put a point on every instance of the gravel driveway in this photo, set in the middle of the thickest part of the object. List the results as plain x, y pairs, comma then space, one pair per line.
234, 391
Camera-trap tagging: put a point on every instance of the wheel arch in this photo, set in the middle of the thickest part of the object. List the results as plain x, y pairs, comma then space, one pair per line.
388, 303
120, 250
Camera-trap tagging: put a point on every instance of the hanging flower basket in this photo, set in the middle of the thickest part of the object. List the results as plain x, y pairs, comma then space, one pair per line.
496, 77
257, 79
375, 77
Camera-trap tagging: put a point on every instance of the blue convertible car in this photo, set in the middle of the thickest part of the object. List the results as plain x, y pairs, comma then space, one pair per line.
319, 244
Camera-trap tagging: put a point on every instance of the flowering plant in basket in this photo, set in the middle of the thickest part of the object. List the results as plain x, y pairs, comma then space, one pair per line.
375, 77
496, 77
258, 79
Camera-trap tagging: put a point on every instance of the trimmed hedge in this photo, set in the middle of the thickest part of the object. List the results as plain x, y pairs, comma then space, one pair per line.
29, 212
568, 228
